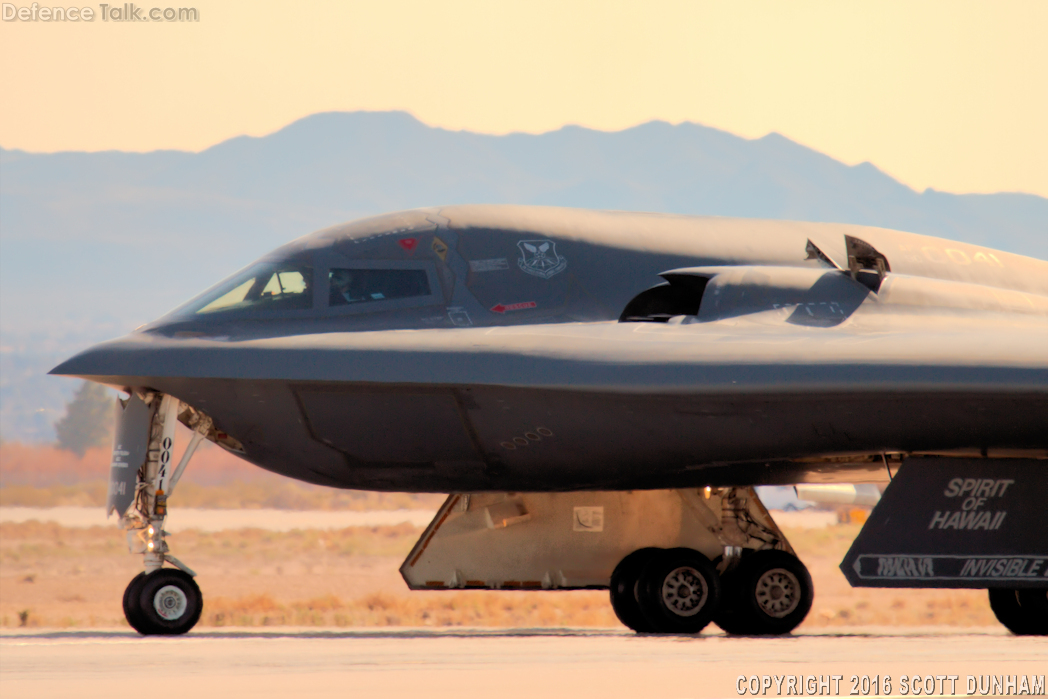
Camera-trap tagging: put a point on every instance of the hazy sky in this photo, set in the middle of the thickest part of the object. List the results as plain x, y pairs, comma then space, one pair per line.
951, 95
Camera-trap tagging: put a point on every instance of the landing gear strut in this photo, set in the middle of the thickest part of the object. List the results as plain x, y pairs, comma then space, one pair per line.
159, 600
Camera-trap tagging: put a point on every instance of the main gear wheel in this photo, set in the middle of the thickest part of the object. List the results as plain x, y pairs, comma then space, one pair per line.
678, 591
769, 593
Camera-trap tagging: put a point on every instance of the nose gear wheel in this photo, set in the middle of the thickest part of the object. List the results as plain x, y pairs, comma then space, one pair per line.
170, 603
164, 602
131, 610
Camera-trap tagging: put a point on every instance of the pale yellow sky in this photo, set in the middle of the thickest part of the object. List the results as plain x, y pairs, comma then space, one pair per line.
945, 94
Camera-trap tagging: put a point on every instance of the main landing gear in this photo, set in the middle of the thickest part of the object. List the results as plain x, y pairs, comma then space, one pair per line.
756, 587
680, 591
673, 560
159, 600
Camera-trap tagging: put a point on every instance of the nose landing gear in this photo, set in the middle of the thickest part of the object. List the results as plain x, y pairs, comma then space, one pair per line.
159, 600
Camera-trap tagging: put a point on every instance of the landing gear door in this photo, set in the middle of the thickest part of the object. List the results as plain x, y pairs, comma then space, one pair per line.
130, 448
965, 523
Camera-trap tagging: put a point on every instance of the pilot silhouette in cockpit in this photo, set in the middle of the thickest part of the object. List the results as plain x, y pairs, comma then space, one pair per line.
343, 289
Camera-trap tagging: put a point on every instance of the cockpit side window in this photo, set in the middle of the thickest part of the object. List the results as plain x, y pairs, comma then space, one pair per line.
353, 286
281, 287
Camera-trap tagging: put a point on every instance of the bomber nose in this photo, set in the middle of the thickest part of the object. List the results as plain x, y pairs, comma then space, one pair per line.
108, 362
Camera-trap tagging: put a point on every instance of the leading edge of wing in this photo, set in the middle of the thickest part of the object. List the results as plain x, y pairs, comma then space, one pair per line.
751, 354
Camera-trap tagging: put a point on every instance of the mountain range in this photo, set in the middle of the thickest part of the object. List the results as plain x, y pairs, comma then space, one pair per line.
93, 244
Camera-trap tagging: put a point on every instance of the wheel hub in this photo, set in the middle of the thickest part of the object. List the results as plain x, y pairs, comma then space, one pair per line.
170, 602
778, 592
684, 591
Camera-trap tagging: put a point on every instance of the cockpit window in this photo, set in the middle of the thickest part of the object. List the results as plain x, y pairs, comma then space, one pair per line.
265, 287
352, 286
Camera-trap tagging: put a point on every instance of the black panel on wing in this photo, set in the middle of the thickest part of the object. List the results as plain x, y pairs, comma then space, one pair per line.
388, 425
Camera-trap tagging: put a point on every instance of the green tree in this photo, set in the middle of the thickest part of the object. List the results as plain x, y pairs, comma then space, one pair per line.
87, 421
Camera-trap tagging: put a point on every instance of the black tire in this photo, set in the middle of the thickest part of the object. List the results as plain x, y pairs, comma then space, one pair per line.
170, 602
623, 590
678, 591
1034, 604
1009, 610
770, 593
728, 617
131, 609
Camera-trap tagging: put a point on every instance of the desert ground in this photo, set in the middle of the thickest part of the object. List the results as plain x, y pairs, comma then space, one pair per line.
63, 577
54, 576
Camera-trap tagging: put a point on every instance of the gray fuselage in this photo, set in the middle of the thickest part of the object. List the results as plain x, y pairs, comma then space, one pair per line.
480, 348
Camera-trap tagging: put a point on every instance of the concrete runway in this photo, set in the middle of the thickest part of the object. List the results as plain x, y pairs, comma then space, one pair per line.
489, 663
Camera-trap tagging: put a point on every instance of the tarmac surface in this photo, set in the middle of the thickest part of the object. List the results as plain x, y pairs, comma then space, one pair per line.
491, 663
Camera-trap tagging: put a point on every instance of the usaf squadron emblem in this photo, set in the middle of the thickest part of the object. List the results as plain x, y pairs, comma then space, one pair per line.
540, 258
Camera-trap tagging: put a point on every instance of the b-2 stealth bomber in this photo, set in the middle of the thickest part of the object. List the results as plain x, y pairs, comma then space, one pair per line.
601, 391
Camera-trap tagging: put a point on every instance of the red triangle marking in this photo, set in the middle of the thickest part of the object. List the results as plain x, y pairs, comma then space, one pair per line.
408, 243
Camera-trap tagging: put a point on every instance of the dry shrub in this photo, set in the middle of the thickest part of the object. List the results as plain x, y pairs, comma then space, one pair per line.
250, 610
325, 603
446, 608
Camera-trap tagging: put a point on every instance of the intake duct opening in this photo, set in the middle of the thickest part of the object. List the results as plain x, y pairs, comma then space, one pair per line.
681, 296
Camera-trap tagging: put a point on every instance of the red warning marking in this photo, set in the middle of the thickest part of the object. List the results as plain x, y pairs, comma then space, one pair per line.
408, 244
503, 307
